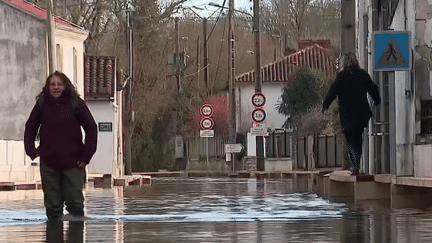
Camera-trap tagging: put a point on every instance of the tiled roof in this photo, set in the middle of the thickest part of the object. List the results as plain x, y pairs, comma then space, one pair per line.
314, 57
99, 77
38, 11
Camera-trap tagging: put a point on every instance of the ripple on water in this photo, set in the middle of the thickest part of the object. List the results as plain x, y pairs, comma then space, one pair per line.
194, 200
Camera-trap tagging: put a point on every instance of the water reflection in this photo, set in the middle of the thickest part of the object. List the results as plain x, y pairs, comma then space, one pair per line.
72, 232
212, 210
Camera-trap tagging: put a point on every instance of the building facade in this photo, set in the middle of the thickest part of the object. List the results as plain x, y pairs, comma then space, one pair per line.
275, 76
399, 137
23, 54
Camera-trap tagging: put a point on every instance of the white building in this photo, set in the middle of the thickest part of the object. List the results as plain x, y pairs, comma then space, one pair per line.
407, 145
23, 54
275, 76
104, 101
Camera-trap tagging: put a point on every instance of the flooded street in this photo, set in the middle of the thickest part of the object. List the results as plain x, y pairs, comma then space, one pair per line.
212, 210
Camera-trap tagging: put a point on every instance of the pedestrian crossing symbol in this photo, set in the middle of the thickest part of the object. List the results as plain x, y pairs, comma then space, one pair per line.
392, 50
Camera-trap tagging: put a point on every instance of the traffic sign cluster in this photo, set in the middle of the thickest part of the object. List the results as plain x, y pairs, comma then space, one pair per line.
258, 115
206, 122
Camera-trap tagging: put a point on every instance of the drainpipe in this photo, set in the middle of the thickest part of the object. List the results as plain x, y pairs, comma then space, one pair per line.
51, 43
372, 162
365, 65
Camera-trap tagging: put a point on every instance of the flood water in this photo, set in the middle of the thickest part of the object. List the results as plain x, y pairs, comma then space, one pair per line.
212, 210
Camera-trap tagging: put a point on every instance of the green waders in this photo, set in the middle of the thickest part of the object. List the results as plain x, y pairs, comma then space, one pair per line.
62, 186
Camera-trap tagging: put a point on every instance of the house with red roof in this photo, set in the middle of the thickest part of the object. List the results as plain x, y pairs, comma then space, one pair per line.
23, 70
275, 76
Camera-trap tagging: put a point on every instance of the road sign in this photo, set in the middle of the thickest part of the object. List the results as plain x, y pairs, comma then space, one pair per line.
258, 132
206, 133
261, 125
258, 115
392, 50
279, 130
206, 110
207, 123
258, 100
233, 148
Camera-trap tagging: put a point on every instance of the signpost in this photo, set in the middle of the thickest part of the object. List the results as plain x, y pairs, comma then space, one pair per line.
259, 130
233, 148
391, 50
207, 125
258, 117
207, 133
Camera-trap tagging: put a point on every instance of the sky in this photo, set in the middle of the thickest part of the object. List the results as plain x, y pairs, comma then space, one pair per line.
208, 10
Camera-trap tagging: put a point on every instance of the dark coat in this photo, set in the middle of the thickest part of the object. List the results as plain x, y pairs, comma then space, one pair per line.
350, 87
61, 145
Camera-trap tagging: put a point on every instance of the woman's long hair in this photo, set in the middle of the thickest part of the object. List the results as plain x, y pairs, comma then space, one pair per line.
69, 87
349, 61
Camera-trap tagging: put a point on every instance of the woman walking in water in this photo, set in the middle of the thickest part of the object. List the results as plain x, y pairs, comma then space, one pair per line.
351, 87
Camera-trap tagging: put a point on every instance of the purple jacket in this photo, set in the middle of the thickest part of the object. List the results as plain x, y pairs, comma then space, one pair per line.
61, 141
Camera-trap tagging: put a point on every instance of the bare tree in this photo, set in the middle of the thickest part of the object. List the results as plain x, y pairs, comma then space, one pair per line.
293, 20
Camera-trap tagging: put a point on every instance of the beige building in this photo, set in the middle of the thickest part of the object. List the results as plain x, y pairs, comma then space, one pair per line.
23, 54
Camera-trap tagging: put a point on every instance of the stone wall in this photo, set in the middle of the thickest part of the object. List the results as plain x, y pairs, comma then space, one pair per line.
22, 69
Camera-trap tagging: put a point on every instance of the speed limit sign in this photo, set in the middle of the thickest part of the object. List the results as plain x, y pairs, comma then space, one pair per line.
258, 115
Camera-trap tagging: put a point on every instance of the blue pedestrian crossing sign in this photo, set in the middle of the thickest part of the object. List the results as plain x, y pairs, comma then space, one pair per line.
391, 50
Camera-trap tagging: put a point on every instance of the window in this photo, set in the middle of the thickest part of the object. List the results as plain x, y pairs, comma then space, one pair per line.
426, 116
59, 57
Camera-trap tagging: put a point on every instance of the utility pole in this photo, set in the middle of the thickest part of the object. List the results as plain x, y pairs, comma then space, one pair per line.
231, 75
198, 68
347, 40
50, 34
205, 53
177, 54
128, 98
258, 82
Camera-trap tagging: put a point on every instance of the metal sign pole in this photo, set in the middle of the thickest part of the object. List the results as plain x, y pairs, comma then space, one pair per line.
207, 151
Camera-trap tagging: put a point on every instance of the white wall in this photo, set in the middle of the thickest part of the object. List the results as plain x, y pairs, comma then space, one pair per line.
103, 160
422, 156
404, 107
68, 41
15, 166
244, 93
22, 69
